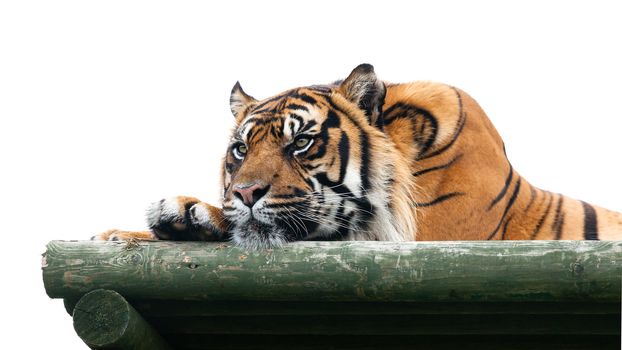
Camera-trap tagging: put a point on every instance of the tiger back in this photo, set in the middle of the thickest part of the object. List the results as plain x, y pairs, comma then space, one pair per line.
467, 187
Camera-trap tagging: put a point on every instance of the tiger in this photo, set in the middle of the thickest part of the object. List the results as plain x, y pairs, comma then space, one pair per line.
363, 159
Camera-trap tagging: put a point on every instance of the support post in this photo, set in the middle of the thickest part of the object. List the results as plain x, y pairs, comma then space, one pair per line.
105, 320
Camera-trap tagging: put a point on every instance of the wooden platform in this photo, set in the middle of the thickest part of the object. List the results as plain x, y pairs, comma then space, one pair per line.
341, 295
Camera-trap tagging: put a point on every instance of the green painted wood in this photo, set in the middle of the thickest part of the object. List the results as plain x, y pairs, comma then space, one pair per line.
70, 304
513, 271
105, 320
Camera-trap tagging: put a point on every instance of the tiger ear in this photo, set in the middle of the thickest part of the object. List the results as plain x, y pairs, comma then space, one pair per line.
239, 100
364, 89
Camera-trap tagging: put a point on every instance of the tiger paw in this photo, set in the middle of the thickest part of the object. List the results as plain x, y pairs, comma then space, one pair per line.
184, 219
118, 235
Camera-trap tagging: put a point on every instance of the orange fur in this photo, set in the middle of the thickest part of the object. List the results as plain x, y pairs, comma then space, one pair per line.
478, 173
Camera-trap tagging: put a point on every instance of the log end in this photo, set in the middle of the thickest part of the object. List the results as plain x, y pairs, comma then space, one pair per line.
101, 318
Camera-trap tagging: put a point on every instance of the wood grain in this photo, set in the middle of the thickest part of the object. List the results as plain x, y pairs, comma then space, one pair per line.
517, 271
105, 320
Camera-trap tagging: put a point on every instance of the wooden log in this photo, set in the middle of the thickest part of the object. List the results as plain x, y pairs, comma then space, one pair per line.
70, 304
516, 271
105, 320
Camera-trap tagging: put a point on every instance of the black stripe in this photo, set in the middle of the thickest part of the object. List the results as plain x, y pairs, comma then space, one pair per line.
334, 106
439, 199
504, 190
308, 99
536, 230
260, 120
256, 109
425, 126
507, 208
319, 89
291, 127
309, 182
344, 227
299, 227
332, 120
558, 222
364, 139
531, 198
297, 192
365, 160
590, 223
366, 208
402, 110
342, 232
265, 111
311, 166
295, 106
258, 134
276, 131
366, 211
344, 156
308, 125
259, 108
229, 167
297, 118
439, 167
457, 131
427, 135
505, 227
559, 228
335, 186
285, 204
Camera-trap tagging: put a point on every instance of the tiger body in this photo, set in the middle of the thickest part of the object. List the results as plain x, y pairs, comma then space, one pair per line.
367, 160
466, 187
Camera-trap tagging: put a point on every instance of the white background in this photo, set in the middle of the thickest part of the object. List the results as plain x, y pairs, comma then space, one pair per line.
107, 106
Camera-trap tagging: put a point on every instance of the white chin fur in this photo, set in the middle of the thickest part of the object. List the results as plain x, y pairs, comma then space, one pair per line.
252, 241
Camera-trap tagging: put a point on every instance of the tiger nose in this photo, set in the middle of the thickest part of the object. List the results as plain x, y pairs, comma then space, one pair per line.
250, 194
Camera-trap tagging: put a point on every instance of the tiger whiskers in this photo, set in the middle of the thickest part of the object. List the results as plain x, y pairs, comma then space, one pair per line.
337, 221
300, 227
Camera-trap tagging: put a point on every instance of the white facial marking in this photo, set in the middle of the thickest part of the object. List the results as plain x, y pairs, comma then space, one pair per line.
291, 127
352, 179
246, 128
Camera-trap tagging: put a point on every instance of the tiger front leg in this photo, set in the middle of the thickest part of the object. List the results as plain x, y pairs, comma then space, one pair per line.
186, 219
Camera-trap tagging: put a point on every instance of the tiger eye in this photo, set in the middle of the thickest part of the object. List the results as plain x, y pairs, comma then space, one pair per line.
242, 149
301, 142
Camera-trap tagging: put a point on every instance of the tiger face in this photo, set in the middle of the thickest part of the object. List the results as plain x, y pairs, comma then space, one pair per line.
299, 165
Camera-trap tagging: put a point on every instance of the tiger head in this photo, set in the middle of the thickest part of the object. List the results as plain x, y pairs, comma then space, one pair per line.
314, 163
